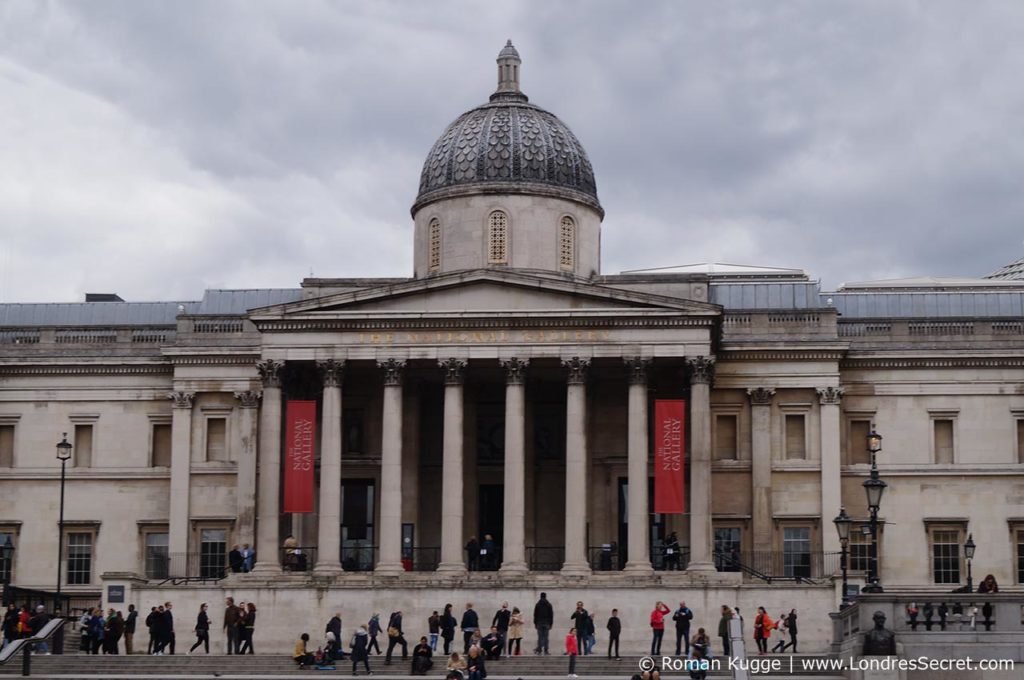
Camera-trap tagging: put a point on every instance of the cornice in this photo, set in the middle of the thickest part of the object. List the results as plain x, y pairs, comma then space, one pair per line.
931, 362
86, 369
247, 359
781, 355
490, 321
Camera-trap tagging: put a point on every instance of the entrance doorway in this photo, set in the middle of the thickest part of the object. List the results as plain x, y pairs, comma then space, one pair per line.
358, 526
492, 523
655, 525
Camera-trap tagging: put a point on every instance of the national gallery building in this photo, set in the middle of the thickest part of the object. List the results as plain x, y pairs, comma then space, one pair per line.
504, 397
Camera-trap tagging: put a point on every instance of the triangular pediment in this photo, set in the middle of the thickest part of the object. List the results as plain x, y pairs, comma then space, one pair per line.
484, 291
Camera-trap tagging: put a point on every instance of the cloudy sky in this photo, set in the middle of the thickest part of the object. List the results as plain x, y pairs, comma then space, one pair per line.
155, 149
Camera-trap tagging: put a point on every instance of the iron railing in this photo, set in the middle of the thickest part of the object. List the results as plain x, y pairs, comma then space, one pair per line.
358, 557
421, 559
299, 558
772, 565
487, 559
178, 568
669, 559
545, 558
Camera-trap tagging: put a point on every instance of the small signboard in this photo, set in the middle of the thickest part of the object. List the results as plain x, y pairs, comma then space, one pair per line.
115, 594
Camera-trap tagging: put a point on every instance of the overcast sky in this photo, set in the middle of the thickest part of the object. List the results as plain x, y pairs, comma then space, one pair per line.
155, 149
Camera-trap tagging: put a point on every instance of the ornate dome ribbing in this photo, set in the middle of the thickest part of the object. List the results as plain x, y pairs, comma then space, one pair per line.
508, 146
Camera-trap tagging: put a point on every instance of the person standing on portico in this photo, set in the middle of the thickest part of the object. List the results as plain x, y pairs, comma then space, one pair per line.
543, 619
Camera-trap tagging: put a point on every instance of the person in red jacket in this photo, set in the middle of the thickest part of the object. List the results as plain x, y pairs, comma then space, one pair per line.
572, 649
763, 626
658, 626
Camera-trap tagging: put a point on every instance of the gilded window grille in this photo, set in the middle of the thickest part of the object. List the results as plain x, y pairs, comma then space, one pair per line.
435, 244
497, 238
567, 242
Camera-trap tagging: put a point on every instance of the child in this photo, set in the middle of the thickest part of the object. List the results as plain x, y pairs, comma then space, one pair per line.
572, 650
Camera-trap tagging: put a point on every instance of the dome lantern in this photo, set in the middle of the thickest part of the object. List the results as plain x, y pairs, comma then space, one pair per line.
508, 75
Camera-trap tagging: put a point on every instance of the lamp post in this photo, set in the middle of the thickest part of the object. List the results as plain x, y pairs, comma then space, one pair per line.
874, 488
843, 523
969, 554
63, 455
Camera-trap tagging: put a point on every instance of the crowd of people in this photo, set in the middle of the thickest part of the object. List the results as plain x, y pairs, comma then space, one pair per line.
22, 622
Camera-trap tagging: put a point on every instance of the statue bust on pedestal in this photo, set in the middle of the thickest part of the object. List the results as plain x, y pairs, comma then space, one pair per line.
879, 641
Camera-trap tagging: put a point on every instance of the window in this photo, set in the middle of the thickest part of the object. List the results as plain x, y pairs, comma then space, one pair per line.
725, 437
857, 442
6, 445
497, 238
161, 454
860, 547
83, 447
946, 554
728, 544
567, 243
1020, 440
354, 433
216, 439
213, 551
796, 551
1018, 539
157, 557
434, 239
7, 541
943, 441
79, 552
796, 437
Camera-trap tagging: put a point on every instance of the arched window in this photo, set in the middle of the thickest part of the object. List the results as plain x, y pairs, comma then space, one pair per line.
434, 238
567, 243
497, 238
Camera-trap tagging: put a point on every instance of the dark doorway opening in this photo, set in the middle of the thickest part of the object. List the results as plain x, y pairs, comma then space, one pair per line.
358, 526
655, 524
492, 523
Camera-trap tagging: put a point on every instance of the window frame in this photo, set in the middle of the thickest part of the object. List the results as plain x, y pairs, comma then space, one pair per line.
161, 420
11, 421
212, 570
1017, 549
492, 235
952, 416
943, 525
90, 529
786, 568
8, 568
89, 420
788, 413
716, 414
1018, 435
434, 244
567, 222
144, 533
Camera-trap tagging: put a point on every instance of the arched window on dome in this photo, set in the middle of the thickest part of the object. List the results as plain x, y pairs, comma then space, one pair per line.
434, 240
567, 243
497, 238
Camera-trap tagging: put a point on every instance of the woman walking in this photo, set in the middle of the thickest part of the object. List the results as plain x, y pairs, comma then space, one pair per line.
762, 629
791, 627
202, 630
448, 624
658, 626
248, 626
373, 632
360, 649
515, 631
723, 629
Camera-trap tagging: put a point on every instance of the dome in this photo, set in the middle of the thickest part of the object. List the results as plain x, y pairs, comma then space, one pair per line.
508, 146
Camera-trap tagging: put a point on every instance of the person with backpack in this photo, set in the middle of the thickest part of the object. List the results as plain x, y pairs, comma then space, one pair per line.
682, 617
361, 649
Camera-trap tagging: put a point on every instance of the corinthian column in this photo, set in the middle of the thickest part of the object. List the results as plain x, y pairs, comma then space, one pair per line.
245, 484
514, 552
576, 467
831, 488
181, 474
761, 466
451, 471
268, 507
389, 562
702, 374
637, 550
328, 559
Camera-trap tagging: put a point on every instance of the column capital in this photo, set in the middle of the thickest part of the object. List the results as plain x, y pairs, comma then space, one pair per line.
637, 367
249, 398
454, 370
761, 396
392, 371
515, 370
701, 370
332, 372
182, 399
830, 395
270, 372
576, 368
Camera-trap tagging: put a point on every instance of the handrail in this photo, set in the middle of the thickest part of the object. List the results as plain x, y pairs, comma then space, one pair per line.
730, 560
25, 645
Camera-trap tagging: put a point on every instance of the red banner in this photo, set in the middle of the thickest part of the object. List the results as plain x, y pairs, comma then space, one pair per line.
299, 454
669, 456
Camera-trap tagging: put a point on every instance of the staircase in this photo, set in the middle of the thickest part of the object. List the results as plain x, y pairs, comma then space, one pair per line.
75, 666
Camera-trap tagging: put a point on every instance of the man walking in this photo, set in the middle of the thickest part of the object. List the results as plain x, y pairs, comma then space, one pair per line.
129, 628
581, 623
614, 630
682, 617
231, 624
395, 637
470, 624
169, 626
543, 619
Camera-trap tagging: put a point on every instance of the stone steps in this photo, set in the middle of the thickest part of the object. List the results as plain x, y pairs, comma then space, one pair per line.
74, 666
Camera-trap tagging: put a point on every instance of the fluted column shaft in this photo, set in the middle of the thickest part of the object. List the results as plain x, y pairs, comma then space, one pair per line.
638, 548
181, 473
831, 483
701, 371
389, 561
245, 484
761, 466
514, 550
576, 467
268, 505
328, 558
451, 478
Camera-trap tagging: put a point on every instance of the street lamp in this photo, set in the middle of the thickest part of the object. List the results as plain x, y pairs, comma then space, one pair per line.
874, 488
969, 554
63, 455
843, 524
